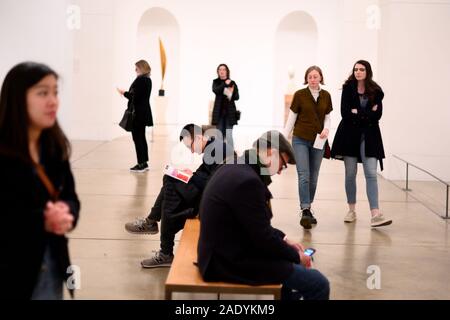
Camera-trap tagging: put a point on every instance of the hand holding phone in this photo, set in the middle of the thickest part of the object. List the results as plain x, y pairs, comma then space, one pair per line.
309, 252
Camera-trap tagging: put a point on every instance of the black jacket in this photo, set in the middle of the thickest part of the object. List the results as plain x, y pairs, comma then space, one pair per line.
139, 97
222, 101
237, 242
23, 238
215, 153
347, 140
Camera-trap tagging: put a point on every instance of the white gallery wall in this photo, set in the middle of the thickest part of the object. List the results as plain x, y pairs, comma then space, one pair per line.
258, 40
37, 31
406, 41
414, 70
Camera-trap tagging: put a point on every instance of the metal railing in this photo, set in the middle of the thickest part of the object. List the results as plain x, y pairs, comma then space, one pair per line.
430, 174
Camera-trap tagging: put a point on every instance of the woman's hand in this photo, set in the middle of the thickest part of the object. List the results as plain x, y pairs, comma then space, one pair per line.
227, 82
324, 134
120, 91
58, 219
375, 108
355, 111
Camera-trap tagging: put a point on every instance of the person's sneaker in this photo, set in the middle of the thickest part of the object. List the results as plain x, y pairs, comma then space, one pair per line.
141, 167
159, 260
313, 220
307, 218
379, 221
350, 217
142, 226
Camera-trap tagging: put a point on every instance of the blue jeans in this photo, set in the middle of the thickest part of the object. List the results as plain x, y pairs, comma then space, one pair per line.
226, 130
308, 284
370, 172
49, 285
308, 161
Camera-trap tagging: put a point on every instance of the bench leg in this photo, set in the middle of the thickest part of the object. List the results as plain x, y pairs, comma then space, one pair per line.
277, 295
168, 294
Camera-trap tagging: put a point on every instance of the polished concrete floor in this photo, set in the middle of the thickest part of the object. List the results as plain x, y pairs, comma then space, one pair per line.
413, 254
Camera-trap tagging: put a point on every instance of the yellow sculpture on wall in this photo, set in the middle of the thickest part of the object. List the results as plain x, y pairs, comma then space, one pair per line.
162, 52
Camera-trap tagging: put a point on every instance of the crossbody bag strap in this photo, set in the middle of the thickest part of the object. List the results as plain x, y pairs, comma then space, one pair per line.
46, 181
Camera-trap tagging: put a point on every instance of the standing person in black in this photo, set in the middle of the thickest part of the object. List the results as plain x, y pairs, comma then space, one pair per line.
224, 115
358, 138
139, 98
37, 191
237, 241
178, 201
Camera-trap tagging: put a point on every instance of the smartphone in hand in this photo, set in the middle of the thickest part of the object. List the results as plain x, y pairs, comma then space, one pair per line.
309, 252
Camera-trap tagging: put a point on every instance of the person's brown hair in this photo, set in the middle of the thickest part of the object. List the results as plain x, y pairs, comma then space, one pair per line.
14, 118
314, 68
275, 140
226, 67
144, 66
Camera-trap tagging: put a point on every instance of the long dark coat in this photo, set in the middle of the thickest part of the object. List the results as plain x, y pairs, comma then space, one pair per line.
347, 140
222, 101
139, 97
23, 239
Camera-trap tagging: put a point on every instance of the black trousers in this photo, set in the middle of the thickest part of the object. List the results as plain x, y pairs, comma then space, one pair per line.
176, 202
140, 143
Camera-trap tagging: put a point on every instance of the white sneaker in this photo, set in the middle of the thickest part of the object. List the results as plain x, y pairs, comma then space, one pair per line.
350, 217
379, 221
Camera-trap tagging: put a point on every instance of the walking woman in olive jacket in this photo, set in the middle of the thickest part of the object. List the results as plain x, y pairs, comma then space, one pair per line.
358, 138
39, 205
309, 117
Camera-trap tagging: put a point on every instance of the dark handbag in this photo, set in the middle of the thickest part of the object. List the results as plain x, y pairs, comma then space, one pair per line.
238, 115
327, 153
127, 120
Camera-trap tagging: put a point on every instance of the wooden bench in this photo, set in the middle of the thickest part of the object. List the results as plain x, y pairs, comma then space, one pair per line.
184, 276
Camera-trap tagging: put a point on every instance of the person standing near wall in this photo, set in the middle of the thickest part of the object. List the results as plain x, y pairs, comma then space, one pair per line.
224, 115
139, 98
309, 116
358, 138
37, 191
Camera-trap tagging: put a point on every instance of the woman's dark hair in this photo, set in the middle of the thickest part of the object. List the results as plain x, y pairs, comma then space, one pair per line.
14, 118
370, 86
226, 67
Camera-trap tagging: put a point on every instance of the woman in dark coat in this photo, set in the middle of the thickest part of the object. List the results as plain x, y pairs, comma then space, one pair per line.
39, 204
224, 115
139, 98
358, 138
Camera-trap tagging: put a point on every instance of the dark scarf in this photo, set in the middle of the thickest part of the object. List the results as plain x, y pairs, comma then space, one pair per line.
251, 158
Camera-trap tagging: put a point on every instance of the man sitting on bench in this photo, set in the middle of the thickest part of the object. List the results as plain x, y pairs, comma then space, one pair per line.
177, 200
237, 242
